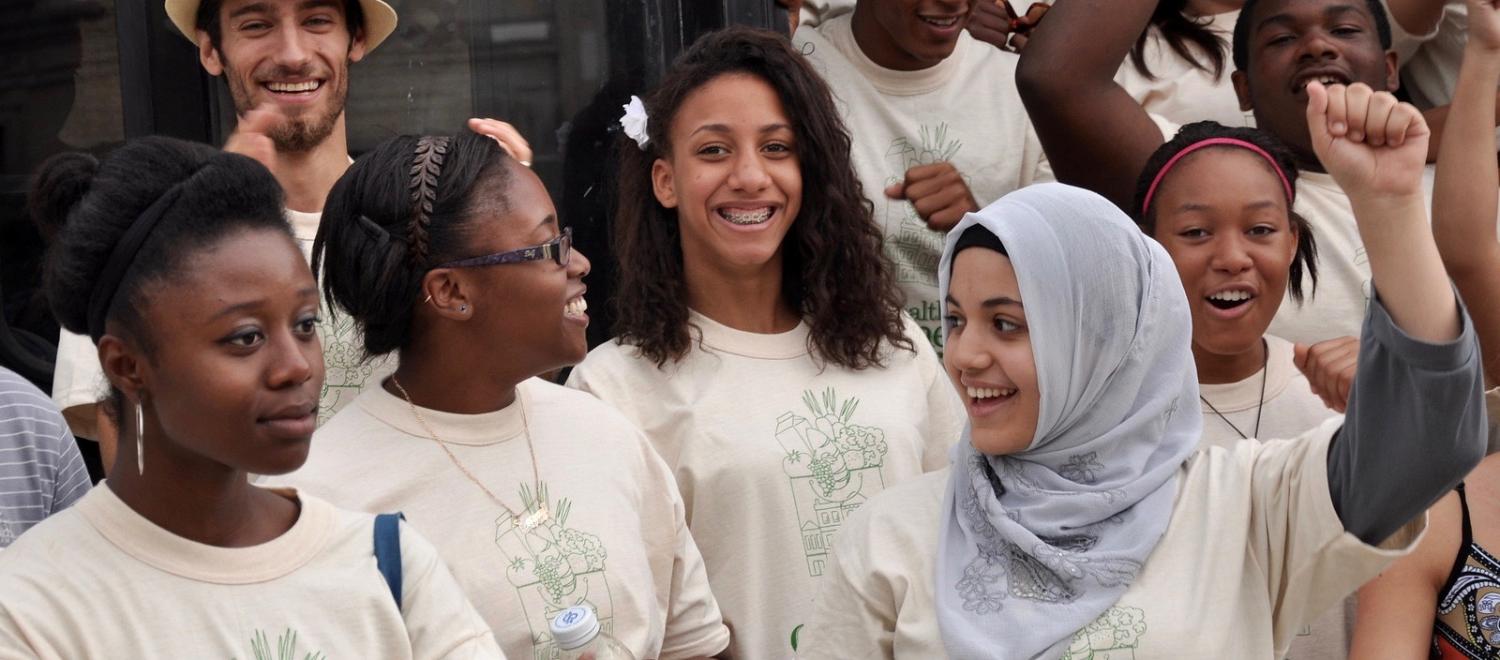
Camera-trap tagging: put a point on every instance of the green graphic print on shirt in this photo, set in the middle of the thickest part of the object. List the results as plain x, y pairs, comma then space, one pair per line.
345, 370
286, 647
912, 246
553, 568
834, 467
1115, 635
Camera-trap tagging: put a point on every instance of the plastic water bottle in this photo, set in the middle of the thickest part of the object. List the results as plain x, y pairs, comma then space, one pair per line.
576, 631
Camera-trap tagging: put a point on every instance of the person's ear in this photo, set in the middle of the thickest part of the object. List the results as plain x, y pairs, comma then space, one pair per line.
357, 45
663, 183
1242, 89
1392, 72
447, 294
209, 56
124, 364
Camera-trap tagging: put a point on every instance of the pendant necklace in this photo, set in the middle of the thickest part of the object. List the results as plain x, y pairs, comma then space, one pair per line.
527, 522
1264, 371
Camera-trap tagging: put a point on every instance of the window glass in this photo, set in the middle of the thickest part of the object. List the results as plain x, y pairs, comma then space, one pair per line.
59, 91
533, 63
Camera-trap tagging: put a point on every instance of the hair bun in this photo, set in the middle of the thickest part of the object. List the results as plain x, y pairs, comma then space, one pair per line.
61, 182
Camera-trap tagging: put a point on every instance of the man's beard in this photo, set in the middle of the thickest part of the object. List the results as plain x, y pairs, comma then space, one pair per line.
300, 133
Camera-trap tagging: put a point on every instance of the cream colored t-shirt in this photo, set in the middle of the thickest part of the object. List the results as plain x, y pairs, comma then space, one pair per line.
78, 382
1290, 410
1181, 92
965, 110
1253, 551
1337, 308
100, 581
617, 539
772, 449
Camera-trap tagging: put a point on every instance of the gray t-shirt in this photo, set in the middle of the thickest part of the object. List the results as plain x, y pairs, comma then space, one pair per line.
1414, 427
41, 471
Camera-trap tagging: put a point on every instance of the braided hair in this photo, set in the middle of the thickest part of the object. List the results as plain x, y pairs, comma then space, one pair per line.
400, 209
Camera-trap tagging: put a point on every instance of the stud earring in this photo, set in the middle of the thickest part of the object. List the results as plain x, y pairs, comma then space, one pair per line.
140, 444
463, 308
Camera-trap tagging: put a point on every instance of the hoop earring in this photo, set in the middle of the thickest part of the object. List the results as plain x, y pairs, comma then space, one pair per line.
140, 434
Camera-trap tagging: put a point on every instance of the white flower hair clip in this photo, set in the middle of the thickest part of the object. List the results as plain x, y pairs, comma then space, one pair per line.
634, 122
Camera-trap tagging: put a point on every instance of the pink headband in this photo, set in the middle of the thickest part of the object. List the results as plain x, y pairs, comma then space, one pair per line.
1233, 142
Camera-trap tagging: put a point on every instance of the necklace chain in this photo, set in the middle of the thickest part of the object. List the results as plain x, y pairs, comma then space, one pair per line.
526, 522
1259, 407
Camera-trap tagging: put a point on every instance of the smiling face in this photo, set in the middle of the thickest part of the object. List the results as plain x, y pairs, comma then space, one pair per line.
1221, 213
988, 355
908, 35
236, 366
290, 55
1291, 42
733, 176
535, 309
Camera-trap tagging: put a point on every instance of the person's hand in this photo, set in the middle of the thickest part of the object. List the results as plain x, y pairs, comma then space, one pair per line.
506, 136
1329, 367
251, 136
1372, 144
991, 22
1484, 24
938, 193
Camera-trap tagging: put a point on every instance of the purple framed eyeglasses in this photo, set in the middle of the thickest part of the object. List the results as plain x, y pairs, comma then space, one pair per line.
558, 249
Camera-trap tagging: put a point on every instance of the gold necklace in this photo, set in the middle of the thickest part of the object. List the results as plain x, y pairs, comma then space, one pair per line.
527, 522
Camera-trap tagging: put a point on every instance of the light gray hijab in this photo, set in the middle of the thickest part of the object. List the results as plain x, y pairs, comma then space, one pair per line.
1036, 545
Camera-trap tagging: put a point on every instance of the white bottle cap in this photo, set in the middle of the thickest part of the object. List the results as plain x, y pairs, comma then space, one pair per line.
574, 627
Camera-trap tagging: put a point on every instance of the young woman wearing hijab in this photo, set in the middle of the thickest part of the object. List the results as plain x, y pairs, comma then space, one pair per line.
1443, 601
1078, 518
177, 261
448, 253
761, 345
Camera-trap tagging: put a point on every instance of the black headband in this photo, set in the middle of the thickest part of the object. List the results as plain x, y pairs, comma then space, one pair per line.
123, 256
978, 236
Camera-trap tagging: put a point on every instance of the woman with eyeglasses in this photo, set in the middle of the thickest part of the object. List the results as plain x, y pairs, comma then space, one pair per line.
448, 251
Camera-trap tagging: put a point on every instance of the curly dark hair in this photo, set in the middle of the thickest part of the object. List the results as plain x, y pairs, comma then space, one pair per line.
836, 275
1306, 258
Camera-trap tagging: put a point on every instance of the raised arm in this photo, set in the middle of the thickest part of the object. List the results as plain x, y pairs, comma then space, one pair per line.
1415, 414
1464, 205
1096, 136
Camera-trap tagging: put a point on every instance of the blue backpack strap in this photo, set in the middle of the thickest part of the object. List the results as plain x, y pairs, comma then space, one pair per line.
388, 551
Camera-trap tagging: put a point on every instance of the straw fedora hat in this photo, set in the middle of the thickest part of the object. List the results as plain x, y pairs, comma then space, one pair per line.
380, 19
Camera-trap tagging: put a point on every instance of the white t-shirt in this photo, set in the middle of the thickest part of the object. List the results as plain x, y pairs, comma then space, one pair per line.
617, 539
772, 449
100, 581
965, 110
1253, 551
79, 380
1290, 409
1181, 92
1429, 62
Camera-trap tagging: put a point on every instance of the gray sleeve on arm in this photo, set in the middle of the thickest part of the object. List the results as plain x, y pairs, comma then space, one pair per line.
1414, 427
